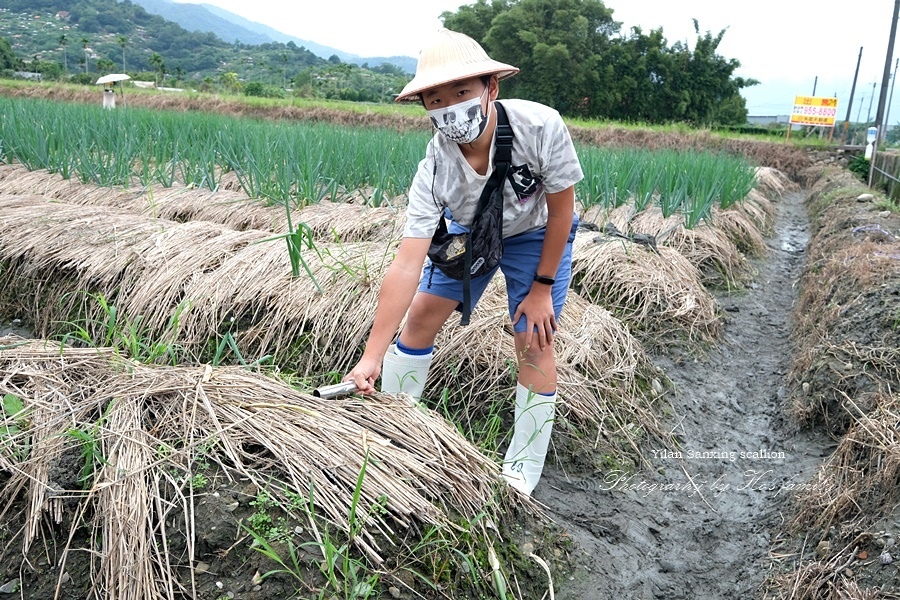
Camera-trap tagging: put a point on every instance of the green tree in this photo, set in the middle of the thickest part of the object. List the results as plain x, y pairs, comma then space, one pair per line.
85, 43
8, 58
105, 66
572, 57
123, 41
64, 42
158, 65
230, 81
557, 44
475, 19
706, 78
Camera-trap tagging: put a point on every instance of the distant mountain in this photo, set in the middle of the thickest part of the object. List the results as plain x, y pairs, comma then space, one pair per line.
230, 27
254, 28
196, 17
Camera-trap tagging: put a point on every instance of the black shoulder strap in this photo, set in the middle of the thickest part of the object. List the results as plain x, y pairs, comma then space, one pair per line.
503, 146
502, 159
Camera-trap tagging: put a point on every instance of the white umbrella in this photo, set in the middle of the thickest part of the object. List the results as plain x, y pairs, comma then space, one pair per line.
114, 77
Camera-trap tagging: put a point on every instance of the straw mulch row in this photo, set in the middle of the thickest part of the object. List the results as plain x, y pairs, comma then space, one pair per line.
847, 315
665, 295
659, 296
847, 513
228, 206
185, 286
720, 261
846, 376
154, 425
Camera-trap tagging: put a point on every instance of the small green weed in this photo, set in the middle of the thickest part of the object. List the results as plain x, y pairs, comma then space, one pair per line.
15, 422
131, 337
346, 576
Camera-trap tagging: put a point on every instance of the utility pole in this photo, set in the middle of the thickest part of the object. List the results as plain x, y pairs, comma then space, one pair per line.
872, 97
815, 83
887, 110
850, 104
884, 80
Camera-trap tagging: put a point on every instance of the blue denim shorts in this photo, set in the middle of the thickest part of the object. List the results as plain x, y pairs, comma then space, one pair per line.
521, 255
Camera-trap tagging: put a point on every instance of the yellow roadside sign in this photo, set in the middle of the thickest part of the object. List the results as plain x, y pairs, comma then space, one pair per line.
814, 110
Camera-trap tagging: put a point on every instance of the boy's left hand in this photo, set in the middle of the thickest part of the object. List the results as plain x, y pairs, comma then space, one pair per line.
540, 319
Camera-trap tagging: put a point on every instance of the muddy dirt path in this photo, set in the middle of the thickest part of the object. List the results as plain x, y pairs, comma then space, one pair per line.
699, 524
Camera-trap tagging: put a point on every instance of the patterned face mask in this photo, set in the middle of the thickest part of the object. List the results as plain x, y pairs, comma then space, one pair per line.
462, 123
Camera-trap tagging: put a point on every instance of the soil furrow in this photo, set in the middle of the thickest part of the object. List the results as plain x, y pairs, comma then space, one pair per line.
698, 524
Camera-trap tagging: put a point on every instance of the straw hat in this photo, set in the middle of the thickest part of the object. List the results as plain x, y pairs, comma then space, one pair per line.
449, 57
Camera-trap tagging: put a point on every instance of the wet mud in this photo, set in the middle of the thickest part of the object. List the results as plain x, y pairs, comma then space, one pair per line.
699, 522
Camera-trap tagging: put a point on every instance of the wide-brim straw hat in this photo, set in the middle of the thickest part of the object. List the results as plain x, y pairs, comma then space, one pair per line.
449, 57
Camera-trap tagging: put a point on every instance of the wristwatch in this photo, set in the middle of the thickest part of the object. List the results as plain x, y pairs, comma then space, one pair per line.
544, 280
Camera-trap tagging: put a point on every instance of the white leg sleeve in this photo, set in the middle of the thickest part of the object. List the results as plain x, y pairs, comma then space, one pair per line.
527, 450
404, 373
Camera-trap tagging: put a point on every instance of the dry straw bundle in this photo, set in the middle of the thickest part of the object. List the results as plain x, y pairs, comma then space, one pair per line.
212, 279
774, 184
660, 297
157, 421
273, 313
859, 481
327, 221
708, 247
853, 490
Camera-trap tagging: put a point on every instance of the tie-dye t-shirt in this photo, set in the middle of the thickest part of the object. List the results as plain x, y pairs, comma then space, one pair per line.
543, 161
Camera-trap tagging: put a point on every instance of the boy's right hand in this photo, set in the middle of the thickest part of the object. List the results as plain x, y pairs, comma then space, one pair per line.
364, 375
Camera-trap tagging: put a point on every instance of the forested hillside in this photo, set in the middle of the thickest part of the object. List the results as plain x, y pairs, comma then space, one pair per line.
79, 35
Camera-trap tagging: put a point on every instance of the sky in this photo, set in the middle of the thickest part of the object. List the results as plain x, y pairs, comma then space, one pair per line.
792, 47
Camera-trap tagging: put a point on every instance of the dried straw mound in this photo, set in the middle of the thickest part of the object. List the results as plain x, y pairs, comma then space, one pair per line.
350, 222
327, 221
706, 246
861, 480
660, 297
273, 313
828, 579
17, 180
213, 279
601, 366
759, 209
157, 422
741, 230
774, 184
846, 320
856, 488
234, 209
58, 255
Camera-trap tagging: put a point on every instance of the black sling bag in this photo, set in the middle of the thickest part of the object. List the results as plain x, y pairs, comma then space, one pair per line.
463, 256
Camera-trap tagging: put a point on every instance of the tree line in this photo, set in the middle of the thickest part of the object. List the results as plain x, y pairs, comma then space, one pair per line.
574, 57
572, 54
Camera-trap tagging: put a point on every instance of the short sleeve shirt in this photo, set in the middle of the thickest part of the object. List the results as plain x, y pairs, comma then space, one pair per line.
543, 161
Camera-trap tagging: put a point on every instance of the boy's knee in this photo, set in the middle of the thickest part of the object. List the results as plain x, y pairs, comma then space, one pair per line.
534, 354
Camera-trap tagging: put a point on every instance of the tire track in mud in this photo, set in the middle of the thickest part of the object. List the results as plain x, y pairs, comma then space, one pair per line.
699, 523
